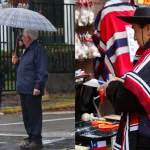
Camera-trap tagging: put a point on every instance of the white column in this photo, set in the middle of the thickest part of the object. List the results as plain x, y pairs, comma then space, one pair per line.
69, 21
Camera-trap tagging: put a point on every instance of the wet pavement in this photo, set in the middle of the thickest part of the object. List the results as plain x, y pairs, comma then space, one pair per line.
50, 143
57, 131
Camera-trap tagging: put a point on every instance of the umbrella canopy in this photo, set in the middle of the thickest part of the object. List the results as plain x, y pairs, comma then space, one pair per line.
26, 19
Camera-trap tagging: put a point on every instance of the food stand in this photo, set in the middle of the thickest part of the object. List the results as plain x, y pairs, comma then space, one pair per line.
86, 134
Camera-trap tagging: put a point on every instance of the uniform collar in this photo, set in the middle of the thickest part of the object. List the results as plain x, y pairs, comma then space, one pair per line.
32, 45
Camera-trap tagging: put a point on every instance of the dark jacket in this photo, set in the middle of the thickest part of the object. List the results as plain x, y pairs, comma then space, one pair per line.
122, 99
32, 69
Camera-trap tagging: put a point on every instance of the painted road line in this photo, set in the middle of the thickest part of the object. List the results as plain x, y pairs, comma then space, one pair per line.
52, 141
45, 142
13, 134
49, 120
44, 134
59, 112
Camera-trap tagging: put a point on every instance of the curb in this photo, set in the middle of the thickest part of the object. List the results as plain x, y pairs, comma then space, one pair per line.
17, 109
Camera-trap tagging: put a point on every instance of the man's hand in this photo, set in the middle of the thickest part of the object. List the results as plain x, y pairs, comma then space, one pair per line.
36, 92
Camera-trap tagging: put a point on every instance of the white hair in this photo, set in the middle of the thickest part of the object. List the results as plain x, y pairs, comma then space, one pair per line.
32, 33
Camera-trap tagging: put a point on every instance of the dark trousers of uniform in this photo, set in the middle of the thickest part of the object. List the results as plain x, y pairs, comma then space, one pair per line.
143, 143
32, 116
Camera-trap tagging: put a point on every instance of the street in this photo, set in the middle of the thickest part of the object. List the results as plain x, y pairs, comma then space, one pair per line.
58, 131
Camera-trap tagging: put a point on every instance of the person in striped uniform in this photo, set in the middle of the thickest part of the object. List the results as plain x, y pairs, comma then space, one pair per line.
130, 95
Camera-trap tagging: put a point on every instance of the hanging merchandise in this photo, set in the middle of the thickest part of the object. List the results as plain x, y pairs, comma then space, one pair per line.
93, 50
91, 13
15, 4
79, 51
77, 11
84, 47
87, 98
111, 38
83, 14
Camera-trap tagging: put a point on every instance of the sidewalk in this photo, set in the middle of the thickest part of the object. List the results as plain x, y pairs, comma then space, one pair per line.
53, 102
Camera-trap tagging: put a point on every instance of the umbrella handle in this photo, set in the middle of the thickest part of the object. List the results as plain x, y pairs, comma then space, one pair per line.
14, 56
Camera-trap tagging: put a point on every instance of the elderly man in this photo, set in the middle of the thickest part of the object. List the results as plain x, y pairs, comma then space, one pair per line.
32, 75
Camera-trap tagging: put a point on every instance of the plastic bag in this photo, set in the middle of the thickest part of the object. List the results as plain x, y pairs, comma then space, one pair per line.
93, 51
79, 49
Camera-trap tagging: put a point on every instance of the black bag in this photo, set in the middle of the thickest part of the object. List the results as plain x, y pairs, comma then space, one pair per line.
84, 101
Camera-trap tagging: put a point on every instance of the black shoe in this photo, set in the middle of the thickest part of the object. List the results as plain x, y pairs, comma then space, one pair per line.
24, 143
34, 146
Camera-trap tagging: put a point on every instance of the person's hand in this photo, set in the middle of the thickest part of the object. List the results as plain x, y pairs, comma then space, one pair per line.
116, 78
36, 92
102, 88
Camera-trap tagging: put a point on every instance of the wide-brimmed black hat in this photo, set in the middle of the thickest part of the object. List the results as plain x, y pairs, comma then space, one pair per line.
141, 16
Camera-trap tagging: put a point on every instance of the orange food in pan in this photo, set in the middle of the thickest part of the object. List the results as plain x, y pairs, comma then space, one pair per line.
104, 127
97, 123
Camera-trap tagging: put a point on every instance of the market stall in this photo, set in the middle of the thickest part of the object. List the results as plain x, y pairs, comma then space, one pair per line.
110, 37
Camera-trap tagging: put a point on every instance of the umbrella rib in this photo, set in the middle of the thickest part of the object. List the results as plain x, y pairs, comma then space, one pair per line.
9, 17
45, 21
29, 23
